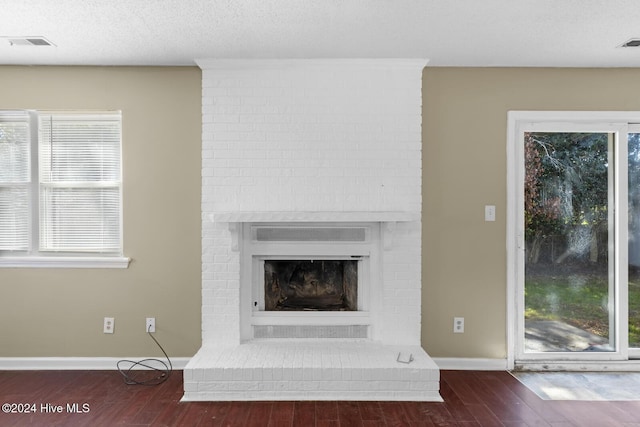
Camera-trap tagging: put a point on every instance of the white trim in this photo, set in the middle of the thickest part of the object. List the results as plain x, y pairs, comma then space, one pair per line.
619, 303
470, 364
513, 241
64, 262
298, 216
268, 63
575, 117
77, 363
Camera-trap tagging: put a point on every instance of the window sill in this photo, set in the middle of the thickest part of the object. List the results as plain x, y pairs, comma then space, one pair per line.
64, 262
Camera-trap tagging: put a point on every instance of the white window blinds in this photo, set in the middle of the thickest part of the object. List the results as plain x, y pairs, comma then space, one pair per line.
15, 180
80, 182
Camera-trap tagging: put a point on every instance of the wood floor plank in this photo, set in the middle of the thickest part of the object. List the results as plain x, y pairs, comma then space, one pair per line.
371, 412
522, 412
504, 407
471, 399
327, 411
454, 404
349, 414
421, 424
467, 392
282, 414
304, 413
436, 413
236, 415
258, 414
280, 423
193, 414
484, 416
372, 423
170, 415
395, 414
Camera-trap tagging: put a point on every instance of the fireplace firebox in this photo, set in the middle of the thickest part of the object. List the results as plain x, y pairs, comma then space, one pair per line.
309, 285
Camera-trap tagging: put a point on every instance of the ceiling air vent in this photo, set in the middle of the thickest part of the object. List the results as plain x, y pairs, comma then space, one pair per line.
631, 43
28, 41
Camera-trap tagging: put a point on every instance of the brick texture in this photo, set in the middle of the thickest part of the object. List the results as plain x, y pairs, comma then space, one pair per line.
310, 136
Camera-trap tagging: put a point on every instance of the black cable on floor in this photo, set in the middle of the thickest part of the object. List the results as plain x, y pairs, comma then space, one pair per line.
144, 376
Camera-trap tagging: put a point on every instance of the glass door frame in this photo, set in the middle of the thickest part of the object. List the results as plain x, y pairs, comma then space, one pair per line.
633, 352
616, 123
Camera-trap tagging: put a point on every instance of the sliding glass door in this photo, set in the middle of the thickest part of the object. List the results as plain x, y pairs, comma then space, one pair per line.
574, 237
569, 274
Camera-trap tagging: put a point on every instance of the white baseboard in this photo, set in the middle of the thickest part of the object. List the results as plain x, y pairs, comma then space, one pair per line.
77, 363
110, 363
470, 364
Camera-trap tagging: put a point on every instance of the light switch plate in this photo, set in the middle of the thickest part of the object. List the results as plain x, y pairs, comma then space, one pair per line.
489, 213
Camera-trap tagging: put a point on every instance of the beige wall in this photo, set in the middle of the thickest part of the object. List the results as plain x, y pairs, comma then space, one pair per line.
464, 168
59, 312
47, 312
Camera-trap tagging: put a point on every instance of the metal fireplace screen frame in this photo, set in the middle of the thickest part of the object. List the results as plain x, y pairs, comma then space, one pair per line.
311, 280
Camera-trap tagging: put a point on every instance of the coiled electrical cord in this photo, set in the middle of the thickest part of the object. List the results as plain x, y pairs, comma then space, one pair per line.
143, 377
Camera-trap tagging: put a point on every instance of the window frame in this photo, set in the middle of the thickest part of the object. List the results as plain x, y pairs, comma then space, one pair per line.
34, 257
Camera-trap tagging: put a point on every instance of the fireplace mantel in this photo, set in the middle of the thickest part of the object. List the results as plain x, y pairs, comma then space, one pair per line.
328, 216
388, 219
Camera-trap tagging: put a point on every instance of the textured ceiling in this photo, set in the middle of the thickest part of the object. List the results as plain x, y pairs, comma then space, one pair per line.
567, 33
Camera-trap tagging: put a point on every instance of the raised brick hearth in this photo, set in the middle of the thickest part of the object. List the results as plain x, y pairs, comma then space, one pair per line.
304, 144
277, 370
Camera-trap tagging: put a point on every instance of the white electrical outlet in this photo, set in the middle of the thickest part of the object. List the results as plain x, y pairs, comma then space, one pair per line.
150, 324
458, 325
109, 324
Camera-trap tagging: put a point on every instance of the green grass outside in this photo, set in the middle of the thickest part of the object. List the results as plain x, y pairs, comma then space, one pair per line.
580, 301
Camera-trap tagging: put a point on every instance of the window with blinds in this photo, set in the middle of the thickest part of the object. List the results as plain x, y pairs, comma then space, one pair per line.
61, 193
15, 180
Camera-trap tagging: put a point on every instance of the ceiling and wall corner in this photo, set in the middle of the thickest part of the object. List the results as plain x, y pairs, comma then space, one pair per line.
462, 33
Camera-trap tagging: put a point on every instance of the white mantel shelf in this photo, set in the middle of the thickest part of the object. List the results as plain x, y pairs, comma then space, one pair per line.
336, 216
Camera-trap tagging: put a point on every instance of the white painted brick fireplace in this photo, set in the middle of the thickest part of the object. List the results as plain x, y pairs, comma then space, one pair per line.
311, 146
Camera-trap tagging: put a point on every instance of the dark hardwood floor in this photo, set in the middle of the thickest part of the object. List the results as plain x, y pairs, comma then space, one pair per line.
472, 398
